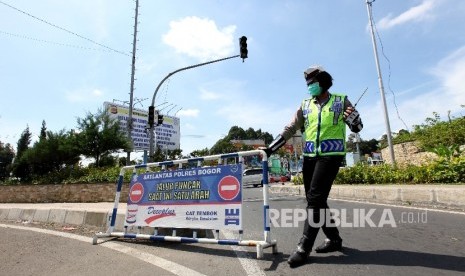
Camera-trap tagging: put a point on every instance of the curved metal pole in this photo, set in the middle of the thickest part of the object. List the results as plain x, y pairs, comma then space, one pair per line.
185, 68
151, 142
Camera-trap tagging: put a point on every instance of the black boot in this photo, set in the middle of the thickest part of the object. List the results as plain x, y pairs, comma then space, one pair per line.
300, 255
329, 246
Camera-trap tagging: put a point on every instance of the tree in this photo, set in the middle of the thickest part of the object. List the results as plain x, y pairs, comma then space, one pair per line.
6, 158
250, 133
20, 166
51, 154
237, 133
200, 153
100, 135
366, 147
158, 155
174, 154
23, 142
436, 133
43, 131
223, 146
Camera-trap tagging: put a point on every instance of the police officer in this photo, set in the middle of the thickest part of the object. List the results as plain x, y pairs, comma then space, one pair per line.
322, 118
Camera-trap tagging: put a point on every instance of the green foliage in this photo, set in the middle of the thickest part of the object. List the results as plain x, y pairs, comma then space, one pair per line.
55, 153
52, 153
100, 135
20, 166
402, 137
366, 147
440, 171
76, 174
6, 158
435, 132
43, 131
199, 153
446, 152
298, 179
224, 145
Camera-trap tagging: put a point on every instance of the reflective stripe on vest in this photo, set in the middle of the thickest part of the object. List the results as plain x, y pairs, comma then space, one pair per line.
324, 132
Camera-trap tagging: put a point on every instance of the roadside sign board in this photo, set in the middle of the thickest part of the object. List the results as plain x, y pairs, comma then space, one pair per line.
197, 198
167, 135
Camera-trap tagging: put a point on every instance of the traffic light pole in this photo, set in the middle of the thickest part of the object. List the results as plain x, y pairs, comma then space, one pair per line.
151, 127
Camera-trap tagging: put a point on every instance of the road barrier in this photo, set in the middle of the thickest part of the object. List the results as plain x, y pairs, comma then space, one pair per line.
195, 197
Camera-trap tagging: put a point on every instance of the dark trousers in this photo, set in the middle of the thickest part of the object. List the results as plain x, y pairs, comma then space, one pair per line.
319, 174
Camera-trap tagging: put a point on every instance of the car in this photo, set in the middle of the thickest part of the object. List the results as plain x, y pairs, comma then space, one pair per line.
273, 178
253, 176
285, 177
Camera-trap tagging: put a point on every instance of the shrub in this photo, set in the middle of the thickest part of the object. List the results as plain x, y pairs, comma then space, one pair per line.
450, 170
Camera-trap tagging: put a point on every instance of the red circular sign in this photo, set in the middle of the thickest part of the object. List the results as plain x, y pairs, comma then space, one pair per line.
136, 193
229, 187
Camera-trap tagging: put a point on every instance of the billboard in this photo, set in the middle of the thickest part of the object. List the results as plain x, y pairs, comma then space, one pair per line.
202, 198
167, 135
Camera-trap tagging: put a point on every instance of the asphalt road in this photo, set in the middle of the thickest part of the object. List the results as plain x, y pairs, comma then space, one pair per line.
378, 240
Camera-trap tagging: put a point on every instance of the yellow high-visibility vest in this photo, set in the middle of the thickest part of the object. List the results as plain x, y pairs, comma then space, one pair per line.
324, 129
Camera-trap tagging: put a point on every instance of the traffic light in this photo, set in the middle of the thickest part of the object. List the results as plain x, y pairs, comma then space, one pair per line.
151, 115
160, 120
243, 47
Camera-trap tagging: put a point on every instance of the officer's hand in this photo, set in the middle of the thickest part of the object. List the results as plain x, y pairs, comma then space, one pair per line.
348, 111
351, 116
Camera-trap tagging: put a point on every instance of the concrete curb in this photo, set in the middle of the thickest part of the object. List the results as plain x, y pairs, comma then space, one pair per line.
62, 216
446, 196
99, 214
84, 214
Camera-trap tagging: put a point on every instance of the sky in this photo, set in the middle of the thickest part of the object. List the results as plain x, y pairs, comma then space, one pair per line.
60, 60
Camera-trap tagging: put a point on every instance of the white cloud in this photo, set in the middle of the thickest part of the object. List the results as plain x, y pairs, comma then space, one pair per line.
447, 95
188, 113
85, 95
200, 38
451, 72
418, 13
208, 95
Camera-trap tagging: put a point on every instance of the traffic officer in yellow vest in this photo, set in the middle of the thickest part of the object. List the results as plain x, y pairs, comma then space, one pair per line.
322, 118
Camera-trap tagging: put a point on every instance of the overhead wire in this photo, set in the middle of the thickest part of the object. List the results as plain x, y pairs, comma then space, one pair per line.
55, 43
63, 29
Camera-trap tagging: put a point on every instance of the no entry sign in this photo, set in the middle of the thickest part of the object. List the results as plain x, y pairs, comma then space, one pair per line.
228, 187
136, 192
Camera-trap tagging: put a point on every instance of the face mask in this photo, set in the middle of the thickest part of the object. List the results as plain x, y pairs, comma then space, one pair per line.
314, 89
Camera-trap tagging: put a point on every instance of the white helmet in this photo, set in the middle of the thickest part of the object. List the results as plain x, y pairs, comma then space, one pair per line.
313, 71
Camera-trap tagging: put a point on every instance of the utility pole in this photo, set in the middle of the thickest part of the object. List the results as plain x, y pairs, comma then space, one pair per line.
131, 92
380, 81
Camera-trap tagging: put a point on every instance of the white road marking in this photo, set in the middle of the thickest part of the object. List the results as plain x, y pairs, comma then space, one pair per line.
169, 266
250, 265
401, 206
